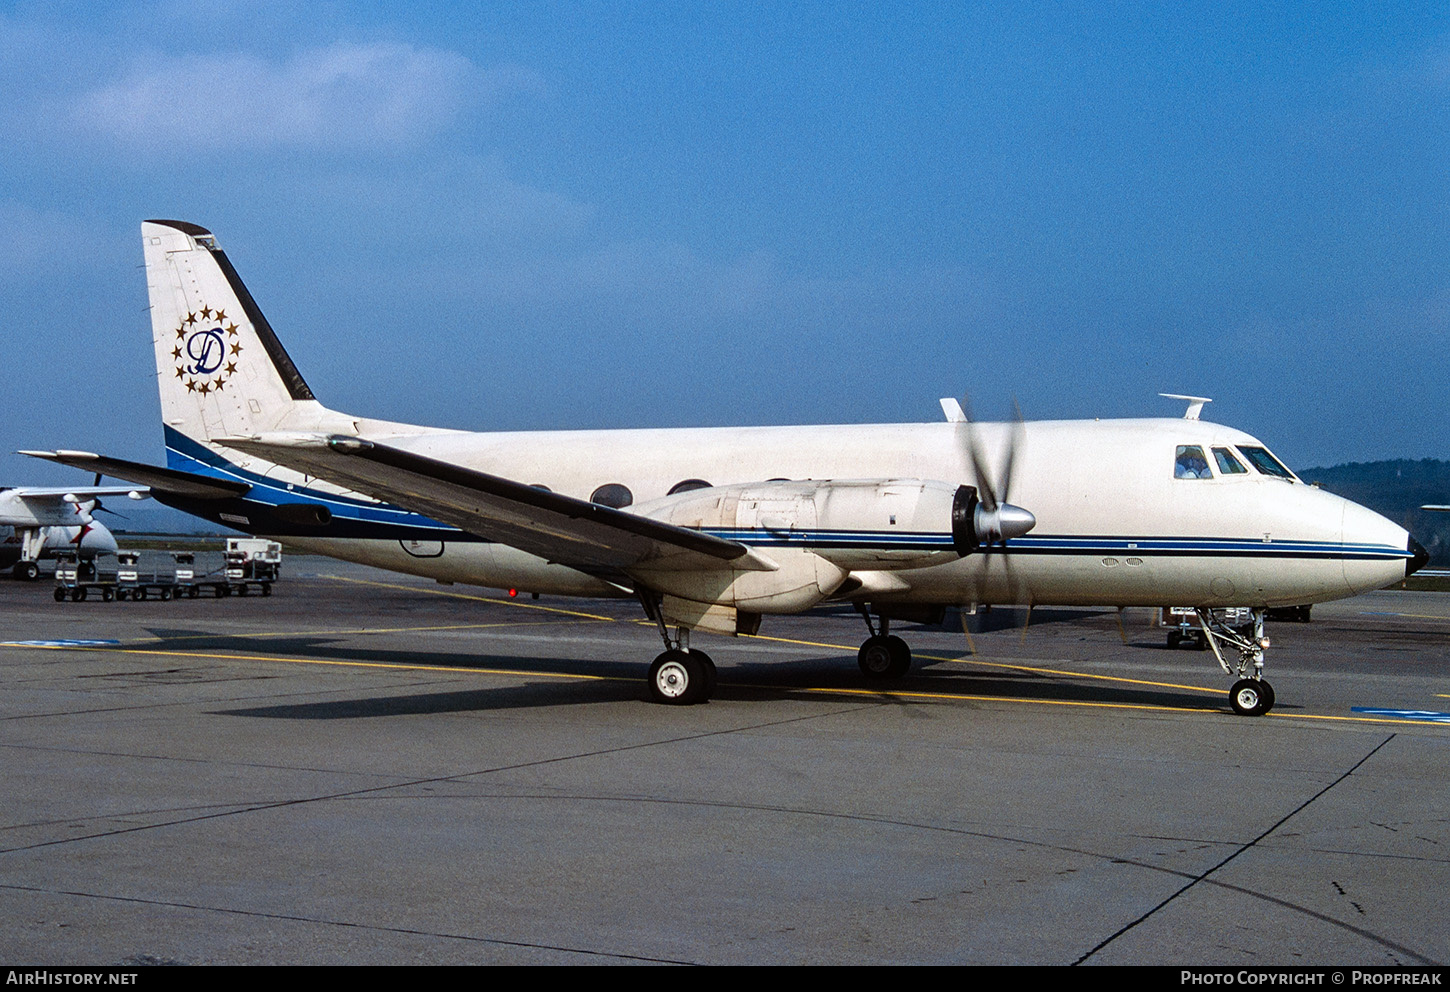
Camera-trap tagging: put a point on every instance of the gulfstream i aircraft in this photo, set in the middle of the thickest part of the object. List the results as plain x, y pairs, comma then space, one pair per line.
715, 529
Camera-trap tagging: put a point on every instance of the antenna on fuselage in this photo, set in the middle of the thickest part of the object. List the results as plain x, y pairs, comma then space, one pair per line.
1195, 404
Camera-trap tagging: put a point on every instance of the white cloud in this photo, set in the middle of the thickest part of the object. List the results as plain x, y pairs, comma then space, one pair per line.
352, 96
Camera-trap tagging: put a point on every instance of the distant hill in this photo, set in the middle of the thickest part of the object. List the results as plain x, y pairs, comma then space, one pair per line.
1397, 489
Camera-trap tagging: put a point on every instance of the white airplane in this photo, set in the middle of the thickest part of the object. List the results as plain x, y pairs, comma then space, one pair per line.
713, 529
41, 520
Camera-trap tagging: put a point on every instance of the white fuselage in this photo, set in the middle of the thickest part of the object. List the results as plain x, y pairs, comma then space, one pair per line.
1114, 524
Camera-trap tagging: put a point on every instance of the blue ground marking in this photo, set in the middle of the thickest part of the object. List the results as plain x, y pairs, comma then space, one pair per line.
55, 644
1429, 716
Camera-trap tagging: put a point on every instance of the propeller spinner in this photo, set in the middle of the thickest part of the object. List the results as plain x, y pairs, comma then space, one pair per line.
995, 520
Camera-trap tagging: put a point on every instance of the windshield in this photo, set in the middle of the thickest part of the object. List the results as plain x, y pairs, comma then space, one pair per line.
1227, 463
1266, 463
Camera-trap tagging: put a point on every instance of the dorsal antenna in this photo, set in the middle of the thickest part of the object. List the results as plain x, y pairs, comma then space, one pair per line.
1195, 404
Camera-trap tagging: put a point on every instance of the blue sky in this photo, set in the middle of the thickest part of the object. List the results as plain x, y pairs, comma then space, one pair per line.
635, 214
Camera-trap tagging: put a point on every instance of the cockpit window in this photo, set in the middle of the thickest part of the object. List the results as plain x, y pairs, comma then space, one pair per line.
1227, 463
1190, 463
1266, 463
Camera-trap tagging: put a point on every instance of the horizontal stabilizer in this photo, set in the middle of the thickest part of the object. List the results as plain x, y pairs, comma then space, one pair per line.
555, 527
162, 480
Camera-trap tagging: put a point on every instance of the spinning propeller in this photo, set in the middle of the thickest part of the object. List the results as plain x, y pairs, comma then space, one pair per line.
995, 520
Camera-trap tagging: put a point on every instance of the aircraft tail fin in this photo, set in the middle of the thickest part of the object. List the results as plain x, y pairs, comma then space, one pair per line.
222, 372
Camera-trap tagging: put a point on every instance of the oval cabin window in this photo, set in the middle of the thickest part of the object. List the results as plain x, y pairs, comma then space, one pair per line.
688, 486
612, 494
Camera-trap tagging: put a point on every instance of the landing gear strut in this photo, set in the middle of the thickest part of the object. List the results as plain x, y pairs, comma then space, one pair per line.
679, 676
883, 655
1251, 695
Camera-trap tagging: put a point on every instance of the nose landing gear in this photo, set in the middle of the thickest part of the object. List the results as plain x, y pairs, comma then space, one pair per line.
1250, 695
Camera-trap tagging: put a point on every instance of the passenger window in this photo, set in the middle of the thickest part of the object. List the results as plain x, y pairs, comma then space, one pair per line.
1266, 463
1227, 463
688, 486
1190, 463
612, 494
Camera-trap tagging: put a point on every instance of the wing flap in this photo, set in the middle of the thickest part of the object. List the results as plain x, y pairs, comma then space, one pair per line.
555, 527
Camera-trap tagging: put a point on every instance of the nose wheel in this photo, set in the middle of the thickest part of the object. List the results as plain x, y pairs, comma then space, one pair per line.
1251, 695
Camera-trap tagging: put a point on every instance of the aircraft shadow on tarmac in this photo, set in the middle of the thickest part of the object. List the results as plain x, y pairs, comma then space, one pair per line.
608, 680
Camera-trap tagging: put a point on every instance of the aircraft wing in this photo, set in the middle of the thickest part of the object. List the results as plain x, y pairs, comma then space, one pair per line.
81, 493
555, 527
167, 480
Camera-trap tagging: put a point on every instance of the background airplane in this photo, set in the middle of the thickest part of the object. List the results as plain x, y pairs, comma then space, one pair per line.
38, 521
715, 529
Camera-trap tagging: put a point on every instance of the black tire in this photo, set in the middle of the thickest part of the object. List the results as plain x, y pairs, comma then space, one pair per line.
192, 592
26, 571
884, 658
874, 658
107, 595
678, 678
266, 588
1174, 639
59, 594
1248, 698
1268, 694
165, 595
711, 676
900, 657
242, 589
77, 594
139, 593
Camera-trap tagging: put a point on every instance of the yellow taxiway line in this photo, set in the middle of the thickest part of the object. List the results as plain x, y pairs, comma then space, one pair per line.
578, 615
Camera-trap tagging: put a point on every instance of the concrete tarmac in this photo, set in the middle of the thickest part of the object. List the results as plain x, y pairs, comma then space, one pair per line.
366, 768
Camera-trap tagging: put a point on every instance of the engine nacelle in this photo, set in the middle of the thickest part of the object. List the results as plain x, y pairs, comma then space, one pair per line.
815, 533
854, 523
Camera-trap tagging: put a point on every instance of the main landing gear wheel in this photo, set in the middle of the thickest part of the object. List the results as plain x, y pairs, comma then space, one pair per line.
26, 571
1251, 697
884, 657
681, 678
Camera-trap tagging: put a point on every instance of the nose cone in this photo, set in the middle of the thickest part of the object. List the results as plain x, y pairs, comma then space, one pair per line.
1378, 552
1418, 557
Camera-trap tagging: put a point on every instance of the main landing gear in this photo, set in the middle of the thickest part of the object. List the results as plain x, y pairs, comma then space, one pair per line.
1251, 695
679, 676
883, 655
